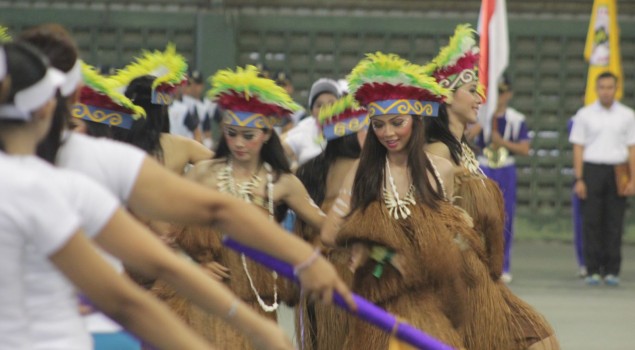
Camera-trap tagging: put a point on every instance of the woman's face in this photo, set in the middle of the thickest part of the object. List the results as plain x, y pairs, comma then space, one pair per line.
465, 104
393, 131
243, 142
323, 99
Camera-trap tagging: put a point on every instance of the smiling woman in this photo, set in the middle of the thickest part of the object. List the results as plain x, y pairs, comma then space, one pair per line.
250, 164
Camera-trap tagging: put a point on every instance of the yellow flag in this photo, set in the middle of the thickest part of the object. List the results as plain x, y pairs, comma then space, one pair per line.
602, 49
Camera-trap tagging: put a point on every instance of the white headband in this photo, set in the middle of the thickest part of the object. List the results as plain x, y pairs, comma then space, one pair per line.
33, 97
3, 63
73, 77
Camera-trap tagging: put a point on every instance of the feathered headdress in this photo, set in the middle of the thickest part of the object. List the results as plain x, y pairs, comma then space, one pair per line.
344, 117
4, 38
169, 68
100, 101
457, 63
388, 84
250, 100
4, 35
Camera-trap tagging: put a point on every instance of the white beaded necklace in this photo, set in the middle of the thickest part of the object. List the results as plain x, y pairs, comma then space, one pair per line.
244, 191
468, 160
397, 207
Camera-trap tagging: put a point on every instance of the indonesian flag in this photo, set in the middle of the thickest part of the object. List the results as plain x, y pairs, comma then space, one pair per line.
494, 47
602, 49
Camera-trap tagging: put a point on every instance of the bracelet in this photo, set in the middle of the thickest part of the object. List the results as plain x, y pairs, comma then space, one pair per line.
232, 309
308, 262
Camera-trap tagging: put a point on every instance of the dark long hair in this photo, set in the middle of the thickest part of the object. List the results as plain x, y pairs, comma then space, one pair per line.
272, 153
25, 67
369, 178
145, 133
59, 47
438, 130
313, 173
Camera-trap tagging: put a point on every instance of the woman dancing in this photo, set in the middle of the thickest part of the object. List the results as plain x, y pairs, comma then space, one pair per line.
249, 164
456, 68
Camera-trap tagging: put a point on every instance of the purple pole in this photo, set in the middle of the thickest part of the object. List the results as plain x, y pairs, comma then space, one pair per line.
366, 310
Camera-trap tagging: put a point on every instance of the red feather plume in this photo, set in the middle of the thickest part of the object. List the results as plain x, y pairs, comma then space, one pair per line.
238, 102
384, 91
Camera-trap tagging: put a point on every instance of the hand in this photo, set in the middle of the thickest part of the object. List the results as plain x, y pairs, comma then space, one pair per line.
268, 336
398, 262
497, 139
216, 270
85, 309
320, 279
629, 190
359, 255
580, 189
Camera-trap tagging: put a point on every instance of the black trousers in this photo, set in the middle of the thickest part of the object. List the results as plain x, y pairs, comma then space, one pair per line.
602, 220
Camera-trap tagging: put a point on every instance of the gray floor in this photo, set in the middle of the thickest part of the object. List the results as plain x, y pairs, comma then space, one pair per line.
585, 318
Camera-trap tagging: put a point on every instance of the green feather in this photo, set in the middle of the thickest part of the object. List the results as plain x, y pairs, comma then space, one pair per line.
461, 42
168, 66
108, 87
335, 109
248, 82
4, 35
394, 70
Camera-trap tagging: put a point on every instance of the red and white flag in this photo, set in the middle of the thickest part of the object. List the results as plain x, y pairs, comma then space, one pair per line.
494, 46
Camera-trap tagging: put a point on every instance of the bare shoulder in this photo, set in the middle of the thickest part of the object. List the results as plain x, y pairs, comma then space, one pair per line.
182, 141
444, 166
289, 180
439, 149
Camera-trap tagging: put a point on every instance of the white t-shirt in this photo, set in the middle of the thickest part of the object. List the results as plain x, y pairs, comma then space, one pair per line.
604, 133
114, 165
177, 112
32, 213
50, 298
303, 140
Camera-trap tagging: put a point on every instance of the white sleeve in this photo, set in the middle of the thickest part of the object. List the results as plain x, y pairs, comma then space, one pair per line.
630, 130
94, 203
578, 134
45, 218
295, 142
124, 165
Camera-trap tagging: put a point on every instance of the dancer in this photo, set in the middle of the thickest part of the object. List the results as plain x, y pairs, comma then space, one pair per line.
150, 82
41, 227
393, 209
456, 68
344, 125
249, 164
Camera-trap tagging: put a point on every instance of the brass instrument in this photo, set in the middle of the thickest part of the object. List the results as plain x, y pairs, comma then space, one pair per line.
496, 157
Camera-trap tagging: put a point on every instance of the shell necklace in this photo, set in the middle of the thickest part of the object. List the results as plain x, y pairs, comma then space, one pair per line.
468, 160
244, 191
397, 207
